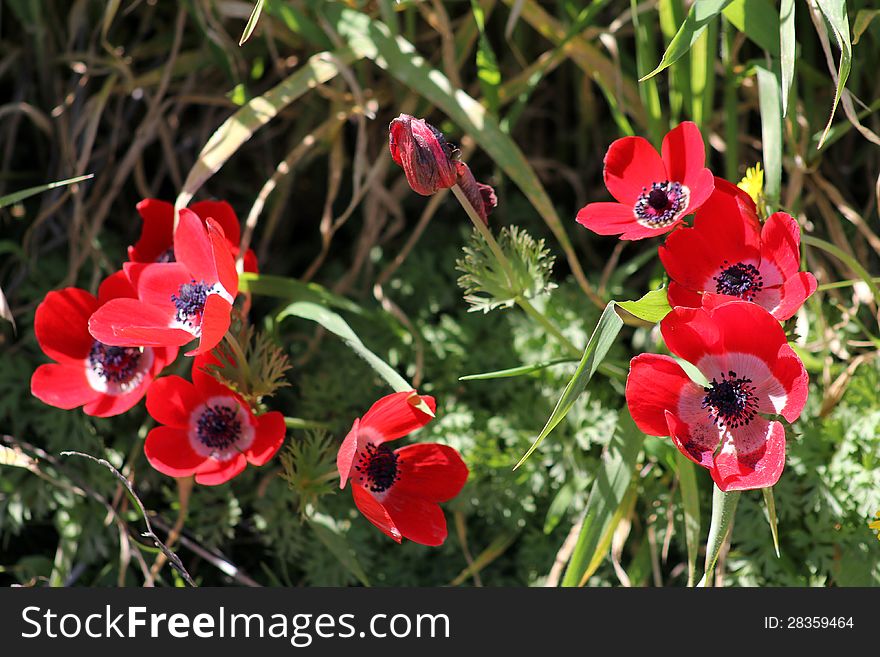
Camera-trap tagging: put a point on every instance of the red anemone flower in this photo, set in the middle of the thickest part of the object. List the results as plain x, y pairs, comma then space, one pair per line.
742, 351
399, 490
654, 192
105, 380
728, 252
177, 301
424, 154
207, 429
156, 243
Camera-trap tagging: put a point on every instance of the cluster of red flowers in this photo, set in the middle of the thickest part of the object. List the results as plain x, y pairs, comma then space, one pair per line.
731, 281
179, 286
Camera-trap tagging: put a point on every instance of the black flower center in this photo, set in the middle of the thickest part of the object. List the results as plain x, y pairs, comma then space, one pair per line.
731, 401
190, 301
378, 466
114, 364
166, 256
739, 280
218, 427
661, 205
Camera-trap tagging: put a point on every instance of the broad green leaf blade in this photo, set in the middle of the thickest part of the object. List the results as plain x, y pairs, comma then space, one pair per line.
787, 48
834, 12
291, 289
701, 14
594, 353
488, 72
648, 90
252, 22
690, 502
559, 506
607, 496
372, 40
241, 126
771, 517
771, 131
652, 307
758, 20
338, 326
15, 197
515, 371
723, 511
328, 533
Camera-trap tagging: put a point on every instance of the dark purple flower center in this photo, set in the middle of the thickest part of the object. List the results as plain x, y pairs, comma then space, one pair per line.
739, 280
378, 466
218, 427
731, 401
661, 205
166, 256
190, 301
114, 364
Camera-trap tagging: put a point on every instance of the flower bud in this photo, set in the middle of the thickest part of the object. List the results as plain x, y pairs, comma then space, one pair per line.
424, 154
482, 197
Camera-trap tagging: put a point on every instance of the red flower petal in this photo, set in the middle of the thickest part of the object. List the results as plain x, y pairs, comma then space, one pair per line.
156, 234
63, 386
701, 187
116, 286
419, 520
249, 263
215, 322
171, 400
110, 405
375, 512
429, 471
347, 452
223, 214
395, 416
786, 392
753, 456
684, 155
780, 244
728, 200
269, 436
223, 259
793, 293
61, 324
132, 323
679, 295
421, 150
156, 283
206, 384
691, 334
169, 451
631, 165
655, 385
213, 473
697, 441
192, 248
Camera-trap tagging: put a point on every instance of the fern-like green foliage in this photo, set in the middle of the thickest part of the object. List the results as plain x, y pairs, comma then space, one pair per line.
487, 285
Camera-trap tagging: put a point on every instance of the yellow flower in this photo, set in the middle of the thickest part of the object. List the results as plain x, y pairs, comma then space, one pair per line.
753, 184
876, 524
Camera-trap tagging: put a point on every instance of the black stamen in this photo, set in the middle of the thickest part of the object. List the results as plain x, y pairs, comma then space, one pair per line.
661, 205
657, 199
731, 400
378, 465
190, 301
218, 427
114, 364
739, 280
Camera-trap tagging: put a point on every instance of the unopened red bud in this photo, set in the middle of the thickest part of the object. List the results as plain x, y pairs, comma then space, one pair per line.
482, 197
424, 154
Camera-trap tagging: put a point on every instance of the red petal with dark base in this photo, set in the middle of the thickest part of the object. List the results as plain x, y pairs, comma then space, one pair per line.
395, 416
655, 385
171, 399
268, 439
631, 165
753, 457
61, 324
684, 155
132, 323
697, 441
617, 219
375, 512
429, 471
168, 450
63, 386
418, 520
215, 322
156, 283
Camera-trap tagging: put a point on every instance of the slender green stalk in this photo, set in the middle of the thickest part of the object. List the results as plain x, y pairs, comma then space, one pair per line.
723, 510
846, 259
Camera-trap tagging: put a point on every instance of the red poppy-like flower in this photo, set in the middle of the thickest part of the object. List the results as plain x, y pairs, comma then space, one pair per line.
207, 429
156, 243
728, 252
177, 301
424, 154
105, 380
742, 351
654, 192
399, 490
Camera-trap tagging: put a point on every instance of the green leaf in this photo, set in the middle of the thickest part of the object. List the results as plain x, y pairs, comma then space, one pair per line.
594, 353
652, 307
723, 511
338, 326
771, 130
515, 371
787, 48
771, 517
701, 14
690, 502
608, 498
758, 20
862, 22
291, 289
252, 22
327, 531
488, 72
845, 258
559, 506
834, 12
15, 197
258, 111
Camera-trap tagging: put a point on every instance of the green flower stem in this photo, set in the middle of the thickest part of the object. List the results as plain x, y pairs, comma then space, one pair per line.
299, 423
723, 510
521, 301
